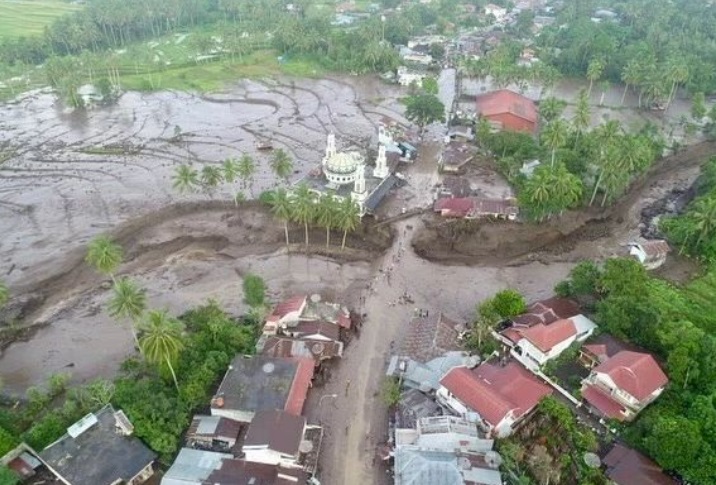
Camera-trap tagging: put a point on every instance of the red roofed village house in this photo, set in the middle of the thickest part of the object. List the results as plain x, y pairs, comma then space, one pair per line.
501, 396
621, 386
508, 111
546, 330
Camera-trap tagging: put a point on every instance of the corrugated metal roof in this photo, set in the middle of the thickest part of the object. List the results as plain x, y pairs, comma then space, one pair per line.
192, 467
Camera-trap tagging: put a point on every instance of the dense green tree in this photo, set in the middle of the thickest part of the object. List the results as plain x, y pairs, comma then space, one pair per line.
594, 72
211, 177
348, 218
674, 442
229, 170
424, 109
509, 303
555, 135
698, 106
551, 109
254, 290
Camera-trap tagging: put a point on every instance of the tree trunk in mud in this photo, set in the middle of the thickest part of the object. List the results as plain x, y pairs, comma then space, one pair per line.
171, 369
624, 94
285, 230
305, 226
328, 236
596, 187
343, 244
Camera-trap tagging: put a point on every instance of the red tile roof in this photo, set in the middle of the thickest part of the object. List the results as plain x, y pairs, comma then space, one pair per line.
493, 391
634, 372
604, 347
544, 337
456, 207
547, 311
506, 101
429, 337
603, 402
626, 466
293, 304
299, 386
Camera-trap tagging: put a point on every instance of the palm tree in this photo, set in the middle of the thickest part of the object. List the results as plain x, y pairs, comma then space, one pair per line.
304, 207
555, 135
678, 73
104, 255
281, 164
230, 170
348, 218
186, 179
483, 131
566, 188
128, 301
247, 168
162, 340
551, 108
594, 72
630, 76
582, 113
281, 208
326, 214
704, 216
211, 177
4, 294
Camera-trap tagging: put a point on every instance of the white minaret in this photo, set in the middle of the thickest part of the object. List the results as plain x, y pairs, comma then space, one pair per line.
359, 194
330, 146
381, 164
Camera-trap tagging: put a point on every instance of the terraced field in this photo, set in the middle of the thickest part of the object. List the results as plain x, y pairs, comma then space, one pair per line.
29, 17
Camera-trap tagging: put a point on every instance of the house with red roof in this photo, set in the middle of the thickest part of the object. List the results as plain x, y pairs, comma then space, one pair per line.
500, 396
547, 329
624, 384
302, 309
507, 110
625, 466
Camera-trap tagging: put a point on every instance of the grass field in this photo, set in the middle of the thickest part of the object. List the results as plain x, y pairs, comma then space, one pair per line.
29, 17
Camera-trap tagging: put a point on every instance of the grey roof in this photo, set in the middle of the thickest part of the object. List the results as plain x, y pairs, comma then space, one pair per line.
376, 197
99, 455
416, 466
426, 376
257, 382
414, 405
192, 467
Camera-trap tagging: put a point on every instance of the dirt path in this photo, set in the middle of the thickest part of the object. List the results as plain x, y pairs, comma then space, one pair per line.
356, 421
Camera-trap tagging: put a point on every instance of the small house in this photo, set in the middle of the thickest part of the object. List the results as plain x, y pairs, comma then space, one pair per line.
99, 449
275, 438
214, 433
499, 396
651, 254
455, 156
193, 467
626, 466
620, 387
508, 110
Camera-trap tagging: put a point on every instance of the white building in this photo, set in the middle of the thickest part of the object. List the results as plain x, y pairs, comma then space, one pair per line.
406, 77
496, 11
651, 254
346, 174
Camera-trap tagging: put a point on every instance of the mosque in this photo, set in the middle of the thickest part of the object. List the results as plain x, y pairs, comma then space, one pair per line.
346, 174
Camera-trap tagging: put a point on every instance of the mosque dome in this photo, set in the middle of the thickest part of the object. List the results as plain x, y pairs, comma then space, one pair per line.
340, 167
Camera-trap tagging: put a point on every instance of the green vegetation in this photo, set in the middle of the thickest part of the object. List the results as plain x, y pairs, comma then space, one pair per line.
7, 476
254, 291
390, 392
694, 232
23, 18
646, 48
306, 208
676, 324
583, 164
504, 304
4, 294
423, 109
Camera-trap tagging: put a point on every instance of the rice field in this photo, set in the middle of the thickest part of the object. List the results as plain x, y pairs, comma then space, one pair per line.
29, 17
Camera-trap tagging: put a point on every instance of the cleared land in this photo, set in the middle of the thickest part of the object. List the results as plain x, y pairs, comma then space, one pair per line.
29, 17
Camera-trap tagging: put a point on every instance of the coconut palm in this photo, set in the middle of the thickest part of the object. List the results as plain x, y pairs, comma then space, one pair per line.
304, 207
551, 108
128, 301
566, 188
281, 208
281, 164
582, 113
327, 214
247, 168
594, 72
229, 170
678, 73
104, 255
4, 294
704, 216
555, 134
162, 340
348, 218
185, 178
483, 130
630, 76
211, 177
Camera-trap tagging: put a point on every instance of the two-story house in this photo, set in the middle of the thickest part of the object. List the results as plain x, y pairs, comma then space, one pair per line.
497, 397
620, 387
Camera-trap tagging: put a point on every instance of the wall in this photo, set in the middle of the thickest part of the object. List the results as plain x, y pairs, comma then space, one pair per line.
235, 414
511, 122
